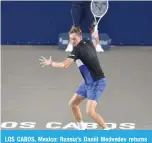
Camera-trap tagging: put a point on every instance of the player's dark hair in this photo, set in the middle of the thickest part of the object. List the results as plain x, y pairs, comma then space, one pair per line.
76, 30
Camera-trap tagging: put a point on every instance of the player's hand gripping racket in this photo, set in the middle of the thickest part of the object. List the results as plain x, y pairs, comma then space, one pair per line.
99, 8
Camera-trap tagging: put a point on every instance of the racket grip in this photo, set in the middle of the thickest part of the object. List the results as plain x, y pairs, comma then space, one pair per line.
96, 28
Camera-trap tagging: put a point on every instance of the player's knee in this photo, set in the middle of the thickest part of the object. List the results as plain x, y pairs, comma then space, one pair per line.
72, 104
90, 111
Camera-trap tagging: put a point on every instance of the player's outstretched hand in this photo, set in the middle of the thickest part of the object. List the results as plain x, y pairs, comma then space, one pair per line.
45, 62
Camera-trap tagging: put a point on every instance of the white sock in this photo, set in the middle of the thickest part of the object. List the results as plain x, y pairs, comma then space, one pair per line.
99, 48
69, 48
81, 125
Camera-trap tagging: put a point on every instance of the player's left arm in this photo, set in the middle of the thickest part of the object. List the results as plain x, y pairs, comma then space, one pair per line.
48, 62
65, 64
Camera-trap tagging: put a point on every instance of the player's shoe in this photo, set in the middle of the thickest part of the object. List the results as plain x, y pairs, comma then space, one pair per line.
99, 48
82, 126
69, 48
106, 128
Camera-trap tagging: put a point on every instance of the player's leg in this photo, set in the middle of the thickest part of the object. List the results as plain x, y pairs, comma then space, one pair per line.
88, 18
76, 13
74, 104
75, 107
94, 92
90, 24
91, 111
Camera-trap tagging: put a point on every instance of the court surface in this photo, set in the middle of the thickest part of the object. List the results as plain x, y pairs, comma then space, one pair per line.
31, 93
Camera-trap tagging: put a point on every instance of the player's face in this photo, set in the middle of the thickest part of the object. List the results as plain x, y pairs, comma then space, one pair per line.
75, 39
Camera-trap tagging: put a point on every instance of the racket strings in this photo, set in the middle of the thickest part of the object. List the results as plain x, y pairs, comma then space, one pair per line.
99, 7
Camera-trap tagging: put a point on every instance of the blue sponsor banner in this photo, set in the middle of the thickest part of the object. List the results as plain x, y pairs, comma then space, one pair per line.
75, 136
105, 41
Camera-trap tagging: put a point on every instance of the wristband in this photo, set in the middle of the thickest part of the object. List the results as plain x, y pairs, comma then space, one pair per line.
94, 38
53, 64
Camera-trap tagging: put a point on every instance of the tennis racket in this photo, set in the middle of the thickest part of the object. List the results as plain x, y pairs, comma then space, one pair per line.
99, 8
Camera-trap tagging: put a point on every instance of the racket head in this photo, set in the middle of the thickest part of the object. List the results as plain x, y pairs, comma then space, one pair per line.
99, 8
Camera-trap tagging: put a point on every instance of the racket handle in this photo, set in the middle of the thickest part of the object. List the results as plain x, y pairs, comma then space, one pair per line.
96, 28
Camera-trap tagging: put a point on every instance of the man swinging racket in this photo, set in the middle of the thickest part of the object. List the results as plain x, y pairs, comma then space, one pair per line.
85, 56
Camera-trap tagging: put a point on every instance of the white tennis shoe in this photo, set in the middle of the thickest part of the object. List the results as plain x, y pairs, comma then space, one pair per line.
99, 48
69, 48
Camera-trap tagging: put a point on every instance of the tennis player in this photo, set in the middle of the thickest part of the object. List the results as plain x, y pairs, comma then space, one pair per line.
80, 13
94, 83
